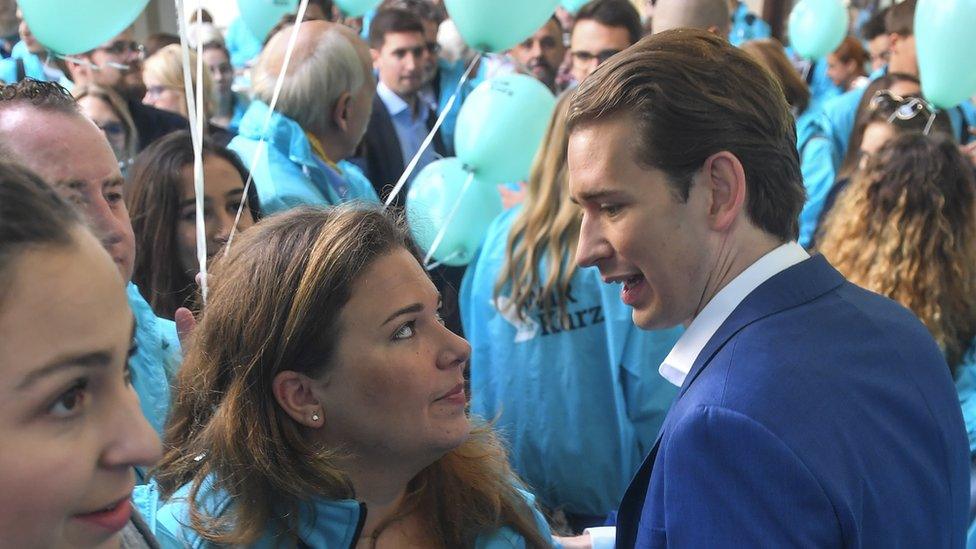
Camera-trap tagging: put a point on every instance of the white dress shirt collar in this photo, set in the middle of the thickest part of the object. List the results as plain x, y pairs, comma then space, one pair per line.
682, 357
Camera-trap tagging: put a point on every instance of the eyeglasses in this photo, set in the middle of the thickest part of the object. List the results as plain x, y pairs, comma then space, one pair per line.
121, 47
112, 129
588, 57
156, 91
902, 108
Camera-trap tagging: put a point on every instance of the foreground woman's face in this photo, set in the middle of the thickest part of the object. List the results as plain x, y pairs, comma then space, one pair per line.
397, 388
70, 423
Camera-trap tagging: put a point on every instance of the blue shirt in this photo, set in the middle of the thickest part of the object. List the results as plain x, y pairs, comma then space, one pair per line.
156, 360
411, 129
579, 402
241, 43
289, 173
747, 26
324, 524
34, 67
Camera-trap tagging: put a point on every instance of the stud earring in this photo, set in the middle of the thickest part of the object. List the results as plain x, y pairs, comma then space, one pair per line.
315, 416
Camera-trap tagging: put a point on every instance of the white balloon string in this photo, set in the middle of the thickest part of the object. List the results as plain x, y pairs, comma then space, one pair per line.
262, 143
195, 111
198, 181
437, 264
447, 223
430, 136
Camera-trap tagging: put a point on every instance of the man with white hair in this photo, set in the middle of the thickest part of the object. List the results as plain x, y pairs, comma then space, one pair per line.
318, 121
708, 15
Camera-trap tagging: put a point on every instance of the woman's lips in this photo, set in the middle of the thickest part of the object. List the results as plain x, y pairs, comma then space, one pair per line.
112, 518
455, 395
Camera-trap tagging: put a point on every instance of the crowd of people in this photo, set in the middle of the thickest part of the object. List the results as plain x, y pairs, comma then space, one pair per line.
733, 304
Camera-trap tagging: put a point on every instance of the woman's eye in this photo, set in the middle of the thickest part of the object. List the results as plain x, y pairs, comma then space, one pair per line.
189, 215
406, 331
69, 403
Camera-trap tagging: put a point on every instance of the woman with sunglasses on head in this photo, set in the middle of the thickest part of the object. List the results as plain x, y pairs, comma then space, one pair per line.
885, 115
70, 420
162, 205
109, 112
321, 403
905, 227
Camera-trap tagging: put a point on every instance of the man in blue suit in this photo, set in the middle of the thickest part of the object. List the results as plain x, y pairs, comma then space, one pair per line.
811, 413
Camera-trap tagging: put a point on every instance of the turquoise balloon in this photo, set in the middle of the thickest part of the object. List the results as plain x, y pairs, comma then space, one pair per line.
432, 196
78, 26
356, 8
501, 125
497, 25
573, 6
944, 43
260, 16
817, 27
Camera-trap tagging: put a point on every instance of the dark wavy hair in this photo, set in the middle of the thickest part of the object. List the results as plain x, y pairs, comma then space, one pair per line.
906, 228
153, 200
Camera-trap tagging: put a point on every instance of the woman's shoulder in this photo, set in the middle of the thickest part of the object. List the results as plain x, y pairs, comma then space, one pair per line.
507, 538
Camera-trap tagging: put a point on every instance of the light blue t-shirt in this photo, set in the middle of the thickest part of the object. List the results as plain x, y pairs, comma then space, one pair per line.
579, 401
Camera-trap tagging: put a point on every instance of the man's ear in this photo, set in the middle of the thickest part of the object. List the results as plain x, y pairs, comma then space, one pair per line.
79, 72
726, 181
375, 55
340, 112
296, 395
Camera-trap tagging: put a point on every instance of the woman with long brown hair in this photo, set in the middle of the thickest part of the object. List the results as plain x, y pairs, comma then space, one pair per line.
557, 360
162, 205
906, 228
321, 403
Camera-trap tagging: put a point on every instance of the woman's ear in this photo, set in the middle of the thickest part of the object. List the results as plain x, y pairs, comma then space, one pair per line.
296, 395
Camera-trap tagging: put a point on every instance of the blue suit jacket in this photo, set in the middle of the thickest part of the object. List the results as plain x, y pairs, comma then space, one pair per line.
819, 415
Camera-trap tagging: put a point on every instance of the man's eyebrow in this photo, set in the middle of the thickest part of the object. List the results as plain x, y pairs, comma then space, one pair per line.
415, 308
594, 196
113, 182
96, 359
72, 184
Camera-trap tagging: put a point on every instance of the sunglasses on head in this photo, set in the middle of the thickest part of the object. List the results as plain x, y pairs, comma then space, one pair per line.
902, 108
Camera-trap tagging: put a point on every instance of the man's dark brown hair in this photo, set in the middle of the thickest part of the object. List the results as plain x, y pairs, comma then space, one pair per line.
690, 94
901, 18
614, 13
392, 20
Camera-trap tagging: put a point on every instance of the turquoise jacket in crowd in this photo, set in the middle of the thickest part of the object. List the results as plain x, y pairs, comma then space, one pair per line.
289, 173
747, 26
450, 76
579, 405
966, 387
328, 524
34, 67
156, 360
241, 43
827, 139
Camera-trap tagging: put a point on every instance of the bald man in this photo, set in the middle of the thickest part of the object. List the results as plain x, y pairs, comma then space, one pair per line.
709, 15
319, 119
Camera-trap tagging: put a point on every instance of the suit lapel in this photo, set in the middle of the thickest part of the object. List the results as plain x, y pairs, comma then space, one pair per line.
796, 285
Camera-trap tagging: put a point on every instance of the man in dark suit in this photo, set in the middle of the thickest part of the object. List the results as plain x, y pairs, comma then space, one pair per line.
401, 117
812, 413
117, 64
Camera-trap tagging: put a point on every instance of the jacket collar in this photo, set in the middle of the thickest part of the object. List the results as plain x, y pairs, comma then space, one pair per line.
794, 286
284, 134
